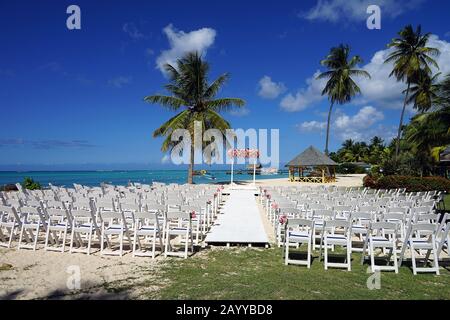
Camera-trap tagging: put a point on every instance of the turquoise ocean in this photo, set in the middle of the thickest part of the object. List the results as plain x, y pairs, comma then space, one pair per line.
118, 177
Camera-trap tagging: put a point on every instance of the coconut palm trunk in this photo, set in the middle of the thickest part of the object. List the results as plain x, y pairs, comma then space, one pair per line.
328, 128
191, 166
400, 126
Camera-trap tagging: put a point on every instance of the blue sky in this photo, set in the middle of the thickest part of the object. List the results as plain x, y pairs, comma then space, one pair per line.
74, 98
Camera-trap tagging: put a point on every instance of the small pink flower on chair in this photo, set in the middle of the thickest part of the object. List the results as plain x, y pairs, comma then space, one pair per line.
268, 196
282, 219
275, 205
193, 215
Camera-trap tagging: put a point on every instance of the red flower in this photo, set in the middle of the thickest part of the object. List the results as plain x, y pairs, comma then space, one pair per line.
193, 215
282, 219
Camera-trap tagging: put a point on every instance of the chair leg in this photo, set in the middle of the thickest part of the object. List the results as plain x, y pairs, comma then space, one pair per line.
395, 259
436, 260
166, 246
413, 259
154, 244
349, 256
326, 255
47, 233
71, 241
372, 257
64, 240
20, 237
309, 255
89, 242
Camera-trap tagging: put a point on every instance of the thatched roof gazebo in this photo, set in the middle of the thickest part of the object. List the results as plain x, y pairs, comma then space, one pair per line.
312, 166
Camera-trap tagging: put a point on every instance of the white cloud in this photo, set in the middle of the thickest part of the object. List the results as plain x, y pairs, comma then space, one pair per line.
181, 43
362, 126
311, 126
355, 10
304, 97
269, 89
131, 29
239, 112
385, 90
119, 82
381, 90
165, 159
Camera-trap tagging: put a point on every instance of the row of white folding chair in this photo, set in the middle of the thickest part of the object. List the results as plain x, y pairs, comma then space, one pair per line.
302, 231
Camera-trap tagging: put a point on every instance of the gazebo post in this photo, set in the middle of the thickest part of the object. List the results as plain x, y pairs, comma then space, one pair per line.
323, 175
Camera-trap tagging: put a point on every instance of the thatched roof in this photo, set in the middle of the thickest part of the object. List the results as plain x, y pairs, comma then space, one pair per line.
311, 157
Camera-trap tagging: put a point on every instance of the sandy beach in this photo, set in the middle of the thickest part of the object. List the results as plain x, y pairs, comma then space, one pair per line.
40, 274
349, 180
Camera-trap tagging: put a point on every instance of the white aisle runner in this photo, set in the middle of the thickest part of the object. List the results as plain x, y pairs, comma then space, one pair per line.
240, 221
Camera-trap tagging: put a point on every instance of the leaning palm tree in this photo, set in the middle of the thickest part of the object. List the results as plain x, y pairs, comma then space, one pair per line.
190, 91
410, 55
340, 86
424, 91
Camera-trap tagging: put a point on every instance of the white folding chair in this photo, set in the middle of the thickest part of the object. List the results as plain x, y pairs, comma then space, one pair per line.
382, 235
298, 232
58, 224
84, 226
114, 225
360, 227
178, 224
148, 228
32, 224
332, 238
10, 224
415, 240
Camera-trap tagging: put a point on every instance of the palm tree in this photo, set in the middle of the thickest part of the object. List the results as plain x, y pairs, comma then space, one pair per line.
189, 90
340, 86
410, 55
424, 91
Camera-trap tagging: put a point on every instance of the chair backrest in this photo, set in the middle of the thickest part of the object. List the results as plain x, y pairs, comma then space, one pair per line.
359, 216
296, 222
384, 227
9, 213
338, 224
426, 217
323, 214
389, 217
178, 215
147, 216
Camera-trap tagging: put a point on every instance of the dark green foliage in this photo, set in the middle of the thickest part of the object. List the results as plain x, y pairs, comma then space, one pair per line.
412, 184
30, 184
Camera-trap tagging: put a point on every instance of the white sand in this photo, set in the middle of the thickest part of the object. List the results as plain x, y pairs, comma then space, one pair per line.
27, 274
349, 180
42, 274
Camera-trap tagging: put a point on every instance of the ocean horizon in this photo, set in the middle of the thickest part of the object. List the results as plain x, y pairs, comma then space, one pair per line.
123, 177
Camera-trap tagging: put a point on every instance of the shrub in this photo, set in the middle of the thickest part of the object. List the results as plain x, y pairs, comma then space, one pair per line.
30, 184
369, 182
350, 168
411, 184
8, 187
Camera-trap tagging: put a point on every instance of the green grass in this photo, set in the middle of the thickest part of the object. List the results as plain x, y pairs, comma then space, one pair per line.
260, 274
